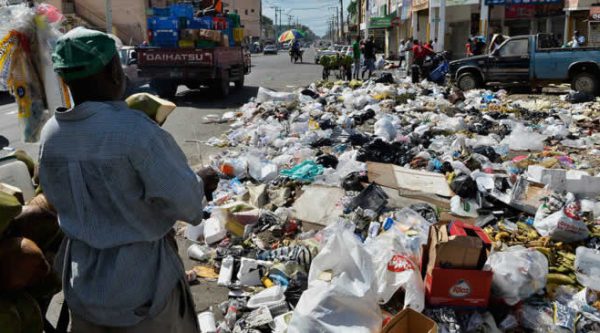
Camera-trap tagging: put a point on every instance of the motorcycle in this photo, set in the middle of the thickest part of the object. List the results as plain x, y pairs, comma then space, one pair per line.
296, 55
435, 68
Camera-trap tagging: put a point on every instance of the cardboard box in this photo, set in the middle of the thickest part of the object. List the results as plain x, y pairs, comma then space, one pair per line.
450, 286
410, 321
457, 252
458, 287
212, 35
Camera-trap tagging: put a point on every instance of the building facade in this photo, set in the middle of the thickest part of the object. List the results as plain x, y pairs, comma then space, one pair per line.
250, 12
452, 22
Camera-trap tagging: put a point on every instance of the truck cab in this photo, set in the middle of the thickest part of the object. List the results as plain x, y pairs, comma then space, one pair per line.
532, 61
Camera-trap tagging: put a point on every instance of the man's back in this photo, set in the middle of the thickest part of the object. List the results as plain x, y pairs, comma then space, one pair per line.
119, 183
370, 50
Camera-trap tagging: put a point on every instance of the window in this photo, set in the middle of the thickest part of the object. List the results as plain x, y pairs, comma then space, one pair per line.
515, 48
246, 11
251, 10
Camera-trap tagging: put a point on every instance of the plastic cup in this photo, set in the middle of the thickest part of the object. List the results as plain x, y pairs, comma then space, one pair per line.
198, 252
207, 322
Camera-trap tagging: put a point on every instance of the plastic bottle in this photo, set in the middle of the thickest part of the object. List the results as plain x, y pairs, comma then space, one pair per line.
226, 272
232, 313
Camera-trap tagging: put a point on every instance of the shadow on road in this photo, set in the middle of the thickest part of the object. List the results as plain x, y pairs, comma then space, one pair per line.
205, 98
6, 98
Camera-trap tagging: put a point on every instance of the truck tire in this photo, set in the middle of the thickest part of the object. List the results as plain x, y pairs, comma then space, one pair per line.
585, 82
239, 84
164, 89
468, 81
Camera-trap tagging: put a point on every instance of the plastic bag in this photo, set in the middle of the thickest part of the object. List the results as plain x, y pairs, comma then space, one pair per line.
305, 171
564, 225
341, 289
267, 95
385, 129
587, 267
523, 138
395, 269
463, 207
519, 272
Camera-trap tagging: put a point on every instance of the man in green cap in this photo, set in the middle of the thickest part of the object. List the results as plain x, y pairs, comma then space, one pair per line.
119, 183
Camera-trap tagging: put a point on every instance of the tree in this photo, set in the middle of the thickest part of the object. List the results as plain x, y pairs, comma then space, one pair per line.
352, 10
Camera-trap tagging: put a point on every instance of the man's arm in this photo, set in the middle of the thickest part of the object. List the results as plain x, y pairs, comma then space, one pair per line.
169, 183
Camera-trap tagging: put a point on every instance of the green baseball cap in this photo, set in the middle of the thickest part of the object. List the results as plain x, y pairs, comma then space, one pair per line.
82, 53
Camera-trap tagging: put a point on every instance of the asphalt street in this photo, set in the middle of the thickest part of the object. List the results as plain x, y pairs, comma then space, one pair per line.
186, 125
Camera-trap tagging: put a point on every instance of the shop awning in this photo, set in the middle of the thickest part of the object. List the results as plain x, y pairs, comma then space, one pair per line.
520, 2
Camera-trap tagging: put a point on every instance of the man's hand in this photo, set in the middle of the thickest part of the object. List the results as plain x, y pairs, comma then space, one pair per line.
210, 178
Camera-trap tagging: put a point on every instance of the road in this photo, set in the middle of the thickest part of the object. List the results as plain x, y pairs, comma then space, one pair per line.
186, 125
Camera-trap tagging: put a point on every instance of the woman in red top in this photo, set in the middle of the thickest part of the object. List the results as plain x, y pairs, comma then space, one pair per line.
469, 48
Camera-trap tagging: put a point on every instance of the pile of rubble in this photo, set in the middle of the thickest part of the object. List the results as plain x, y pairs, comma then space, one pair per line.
358, 206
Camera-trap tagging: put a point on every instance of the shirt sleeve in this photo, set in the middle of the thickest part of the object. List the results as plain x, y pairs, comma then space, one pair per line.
170, 186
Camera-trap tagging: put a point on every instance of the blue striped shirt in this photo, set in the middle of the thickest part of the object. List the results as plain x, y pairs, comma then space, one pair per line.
119, 183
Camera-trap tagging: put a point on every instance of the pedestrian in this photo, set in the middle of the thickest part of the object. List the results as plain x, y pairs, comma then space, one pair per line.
119, 183
408, 55
418, 53
469, 48
369, 53
428, 48
436, 46
356, 54
578, 40
401, 53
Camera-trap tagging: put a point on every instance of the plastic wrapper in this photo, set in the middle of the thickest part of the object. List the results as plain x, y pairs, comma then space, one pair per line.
587, 267
346, 283
565, 225
518, 273
523, 138
395, 269
267, 95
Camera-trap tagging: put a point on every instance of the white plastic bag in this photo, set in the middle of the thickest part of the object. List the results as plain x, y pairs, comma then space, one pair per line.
564, 225
384, 128
523, 138
395, 269
341, 292
587, 267
519, 272
267, 95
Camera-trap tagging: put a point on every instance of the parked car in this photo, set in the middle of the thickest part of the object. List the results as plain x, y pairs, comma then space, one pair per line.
270, 49
532, 61
128, 57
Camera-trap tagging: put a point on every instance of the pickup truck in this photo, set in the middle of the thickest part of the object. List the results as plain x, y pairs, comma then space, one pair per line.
167, 68
532, 61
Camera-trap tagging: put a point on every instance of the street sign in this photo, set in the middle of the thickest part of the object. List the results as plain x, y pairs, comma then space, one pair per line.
595, 13
396, 21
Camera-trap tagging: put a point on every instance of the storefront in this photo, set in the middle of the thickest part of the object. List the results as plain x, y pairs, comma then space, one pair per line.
577, 17
420, 20
521, 17
461, 21
378, 28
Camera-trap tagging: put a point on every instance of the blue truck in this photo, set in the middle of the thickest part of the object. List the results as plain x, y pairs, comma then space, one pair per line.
532, 61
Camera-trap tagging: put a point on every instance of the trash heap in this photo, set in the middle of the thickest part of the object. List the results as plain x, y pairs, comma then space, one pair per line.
29, 240
412, 207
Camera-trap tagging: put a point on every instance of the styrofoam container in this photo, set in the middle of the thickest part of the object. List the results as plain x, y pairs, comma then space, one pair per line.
214, 231
14, 172
268, 297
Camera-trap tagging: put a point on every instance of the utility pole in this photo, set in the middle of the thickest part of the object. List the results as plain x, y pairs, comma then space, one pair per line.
108, 16
275, 23
367, 18
342, 19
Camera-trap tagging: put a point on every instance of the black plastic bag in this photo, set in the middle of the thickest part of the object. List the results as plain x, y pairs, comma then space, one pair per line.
426, 211
372, 198
385, 78
464, 186
383, 152
327, 161
488, 152
310, 93
322, 143
353, 181
579, 97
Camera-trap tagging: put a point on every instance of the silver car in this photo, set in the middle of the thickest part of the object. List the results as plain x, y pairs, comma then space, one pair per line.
128, 58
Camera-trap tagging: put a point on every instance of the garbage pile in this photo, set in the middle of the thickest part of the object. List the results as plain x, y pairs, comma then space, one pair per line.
412, 207
29, 240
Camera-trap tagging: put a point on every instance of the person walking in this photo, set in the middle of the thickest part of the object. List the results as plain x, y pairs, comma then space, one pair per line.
356, 54
369, 52
408, 55
119, 183
401, 53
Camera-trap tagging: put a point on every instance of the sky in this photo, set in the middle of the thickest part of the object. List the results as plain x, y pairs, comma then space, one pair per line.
312, 13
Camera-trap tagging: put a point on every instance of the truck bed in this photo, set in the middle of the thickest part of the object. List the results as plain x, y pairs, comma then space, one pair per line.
182, 57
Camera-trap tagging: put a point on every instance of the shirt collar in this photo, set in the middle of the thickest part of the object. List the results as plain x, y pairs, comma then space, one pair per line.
87, 109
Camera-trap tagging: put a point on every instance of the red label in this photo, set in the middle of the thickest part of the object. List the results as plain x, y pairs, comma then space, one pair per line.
400, 263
